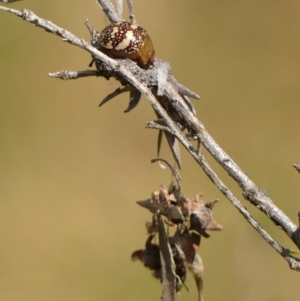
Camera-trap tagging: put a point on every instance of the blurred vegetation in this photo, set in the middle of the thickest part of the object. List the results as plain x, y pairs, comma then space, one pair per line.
71, 172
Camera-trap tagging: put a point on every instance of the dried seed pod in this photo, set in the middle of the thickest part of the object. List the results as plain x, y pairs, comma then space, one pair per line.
123, 39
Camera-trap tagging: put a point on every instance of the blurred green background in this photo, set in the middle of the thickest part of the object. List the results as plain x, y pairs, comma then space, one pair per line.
71, 172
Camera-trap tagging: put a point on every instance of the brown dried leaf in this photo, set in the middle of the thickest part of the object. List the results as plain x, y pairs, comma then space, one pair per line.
201, 216
148, 204
150, 256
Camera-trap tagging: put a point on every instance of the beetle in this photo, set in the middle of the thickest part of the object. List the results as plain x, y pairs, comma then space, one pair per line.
123, 39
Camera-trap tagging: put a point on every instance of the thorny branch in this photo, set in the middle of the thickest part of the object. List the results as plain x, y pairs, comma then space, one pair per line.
251, 192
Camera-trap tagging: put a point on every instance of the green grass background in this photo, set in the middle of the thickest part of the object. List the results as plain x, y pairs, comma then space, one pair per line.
71, 172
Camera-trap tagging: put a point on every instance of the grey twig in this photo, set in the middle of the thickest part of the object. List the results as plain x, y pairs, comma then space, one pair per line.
67, 74
109, 10
119, 9
131, 12
168, 273
293, 262
156, 126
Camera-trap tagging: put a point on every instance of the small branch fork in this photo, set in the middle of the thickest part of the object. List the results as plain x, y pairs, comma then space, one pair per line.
251, 192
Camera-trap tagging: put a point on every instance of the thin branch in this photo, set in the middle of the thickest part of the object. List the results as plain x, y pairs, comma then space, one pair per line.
156, 126
119, 5
131, 12
168, 273
109, 10
294, 263
67, 74
66, 35
182, 89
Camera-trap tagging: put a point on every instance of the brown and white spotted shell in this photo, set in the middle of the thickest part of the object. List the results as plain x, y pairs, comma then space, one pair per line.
127, 40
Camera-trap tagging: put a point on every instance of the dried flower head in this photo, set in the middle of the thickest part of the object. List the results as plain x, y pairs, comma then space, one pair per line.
188, 215
178, 209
